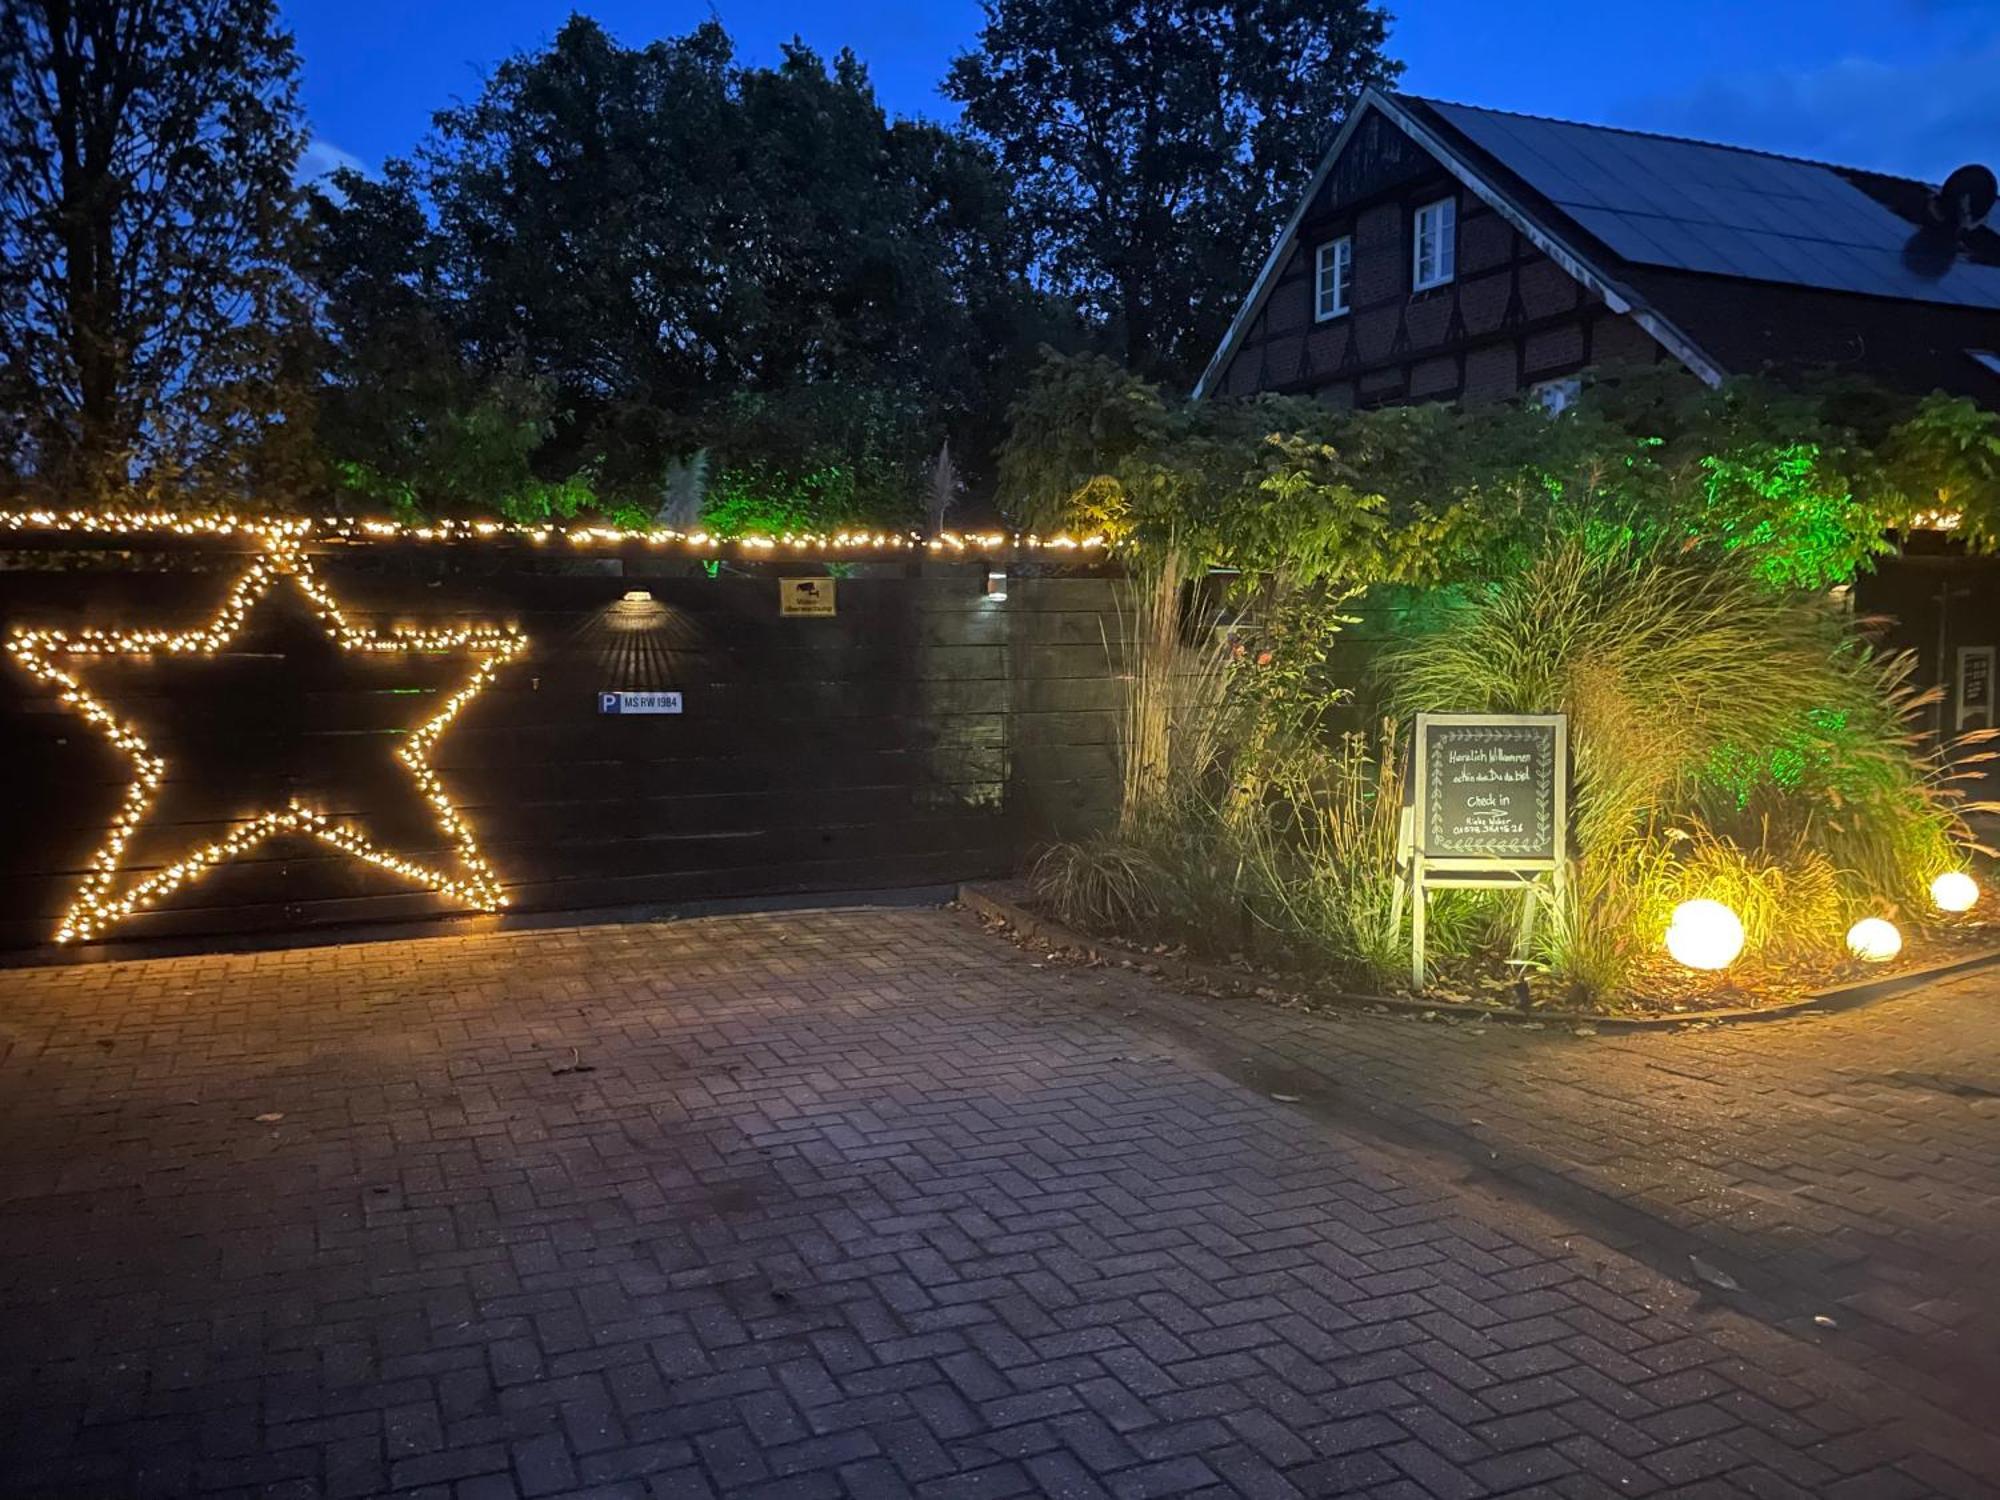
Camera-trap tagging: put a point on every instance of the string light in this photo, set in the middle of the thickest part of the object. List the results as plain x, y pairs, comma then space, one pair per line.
280, 542
350, 529
99, 903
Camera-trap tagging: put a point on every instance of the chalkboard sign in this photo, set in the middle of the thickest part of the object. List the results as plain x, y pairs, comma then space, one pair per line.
1491, 790
1975, 688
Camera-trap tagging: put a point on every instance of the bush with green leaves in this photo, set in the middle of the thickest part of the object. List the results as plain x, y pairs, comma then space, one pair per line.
1728, 739
1654, 566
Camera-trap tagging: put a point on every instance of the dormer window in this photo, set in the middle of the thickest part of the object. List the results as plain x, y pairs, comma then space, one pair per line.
1333, 278
1434, 245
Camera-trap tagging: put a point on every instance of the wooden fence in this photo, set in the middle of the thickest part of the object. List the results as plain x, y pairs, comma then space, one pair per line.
924, 733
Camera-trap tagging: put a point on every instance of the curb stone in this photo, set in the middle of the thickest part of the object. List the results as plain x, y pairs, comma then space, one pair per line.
1003, 902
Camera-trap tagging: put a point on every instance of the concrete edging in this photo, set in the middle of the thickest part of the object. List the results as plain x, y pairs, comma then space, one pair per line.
1002, 903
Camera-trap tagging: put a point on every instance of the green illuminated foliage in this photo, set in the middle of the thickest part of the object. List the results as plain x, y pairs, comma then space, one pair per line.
769, 501
1700, 699
1803, 489
1656, 564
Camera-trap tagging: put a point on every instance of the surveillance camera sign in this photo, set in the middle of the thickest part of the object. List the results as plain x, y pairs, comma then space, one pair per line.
807, 597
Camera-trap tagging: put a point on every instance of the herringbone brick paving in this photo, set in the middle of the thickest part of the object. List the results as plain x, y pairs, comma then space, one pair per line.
846, 1202
1843, 1168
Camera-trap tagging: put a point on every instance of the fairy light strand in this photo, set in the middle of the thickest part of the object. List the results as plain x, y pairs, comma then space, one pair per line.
99, 904
349, 529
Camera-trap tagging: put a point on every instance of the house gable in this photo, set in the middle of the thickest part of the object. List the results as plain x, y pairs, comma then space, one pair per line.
1510, 315
1666, 301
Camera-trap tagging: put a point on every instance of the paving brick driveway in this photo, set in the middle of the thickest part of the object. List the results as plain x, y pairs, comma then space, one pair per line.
1840, 1170
850, 1202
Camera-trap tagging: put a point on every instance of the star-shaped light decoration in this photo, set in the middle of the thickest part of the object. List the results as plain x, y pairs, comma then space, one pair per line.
56, 656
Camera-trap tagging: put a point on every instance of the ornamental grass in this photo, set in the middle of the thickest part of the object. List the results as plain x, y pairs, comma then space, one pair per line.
1730, 740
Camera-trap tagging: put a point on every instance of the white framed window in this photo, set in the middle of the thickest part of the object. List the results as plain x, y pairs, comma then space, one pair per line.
1434, 245
1556, 396
1333, 278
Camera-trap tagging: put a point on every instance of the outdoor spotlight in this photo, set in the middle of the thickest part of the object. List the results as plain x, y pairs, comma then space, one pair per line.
996, 583
1874, 939
638, 596
1704, 935
1955, 891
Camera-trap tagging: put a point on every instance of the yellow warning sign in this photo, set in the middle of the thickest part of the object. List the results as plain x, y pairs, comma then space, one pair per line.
805, 596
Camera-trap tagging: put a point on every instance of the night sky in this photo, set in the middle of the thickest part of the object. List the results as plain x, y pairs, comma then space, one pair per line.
1909, 86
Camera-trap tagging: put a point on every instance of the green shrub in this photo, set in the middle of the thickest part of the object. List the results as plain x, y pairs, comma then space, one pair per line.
1699, 697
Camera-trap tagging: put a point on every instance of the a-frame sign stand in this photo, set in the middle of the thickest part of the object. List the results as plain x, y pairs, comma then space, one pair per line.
1487, 806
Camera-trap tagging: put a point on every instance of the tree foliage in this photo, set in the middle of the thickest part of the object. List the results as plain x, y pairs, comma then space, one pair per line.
1804, 487
642, 252
149, 308
1158, 144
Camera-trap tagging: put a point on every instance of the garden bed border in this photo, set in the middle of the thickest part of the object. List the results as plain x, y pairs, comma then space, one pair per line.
1004, 902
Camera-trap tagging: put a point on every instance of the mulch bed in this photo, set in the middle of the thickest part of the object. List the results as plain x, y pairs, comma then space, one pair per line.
1675, 996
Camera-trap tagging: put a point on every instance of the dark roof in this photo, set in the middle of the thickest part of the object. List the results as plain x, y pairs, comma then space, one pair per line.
1736, 261
1726, 211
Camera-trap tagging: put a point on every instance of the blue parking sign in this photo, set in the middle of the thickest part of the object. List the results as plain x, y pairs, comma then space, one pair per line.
639, 703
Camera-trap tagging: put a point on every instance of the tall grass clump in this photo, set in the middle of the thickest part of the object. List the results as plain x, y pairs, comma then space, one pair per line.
1152, 873
1729, 740
1248, 828
1329, 867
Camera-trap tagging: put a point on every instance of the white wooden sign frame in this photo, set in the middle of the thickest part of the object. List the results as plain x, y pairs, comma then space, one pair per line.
1419, 871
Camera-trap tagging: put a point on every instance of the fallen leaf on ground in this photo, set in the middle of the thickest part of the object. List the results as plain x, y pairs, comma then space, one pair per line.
1713, 1275
272, 1118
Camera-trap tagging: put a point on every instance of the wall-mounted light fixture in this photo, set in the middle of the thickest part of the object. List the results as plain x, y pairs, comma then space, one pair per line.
996, 583
638, 596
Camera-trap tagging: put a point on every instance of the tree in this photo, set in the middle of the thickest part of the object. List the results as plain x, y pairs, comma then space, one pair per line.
1158, 144
680, 253
406, 421
148, 229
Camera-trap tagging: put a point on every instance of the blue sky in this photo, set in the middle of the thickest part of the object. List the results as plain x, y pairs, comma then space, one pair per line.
1909, 86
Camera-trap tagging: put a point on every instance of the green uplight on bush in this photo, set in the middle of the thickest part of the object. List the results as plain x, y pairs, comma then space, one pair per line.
1812, 541
1789, 763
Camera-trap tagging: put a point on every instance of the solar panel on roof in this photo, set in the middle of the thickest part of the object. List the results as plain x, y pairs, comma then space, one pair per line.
1683, 204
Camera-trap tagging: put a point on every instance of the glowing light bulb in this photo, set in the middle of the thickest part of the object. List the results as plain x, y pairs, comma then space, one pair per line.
1955, 891
1874, 940
1704, 934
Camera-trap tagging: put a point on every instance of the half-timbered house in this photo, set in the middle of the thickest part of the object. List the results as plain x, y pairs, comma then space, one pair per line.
1450, 253
1446, 252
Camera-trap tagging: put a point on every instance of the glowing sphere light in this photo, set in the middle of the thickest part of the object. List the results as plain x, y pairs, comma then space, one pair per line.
1874, 939
1705, 935
1955, 891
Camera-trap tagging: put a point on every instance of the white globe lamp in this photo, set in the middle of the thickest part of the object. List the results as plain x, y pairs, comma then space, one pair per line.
1875, 940
1955, 891
1704, 935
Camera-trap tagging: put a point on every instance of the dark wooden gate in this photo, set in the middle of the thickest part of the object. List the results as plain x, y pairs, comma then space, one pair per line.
924, 733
